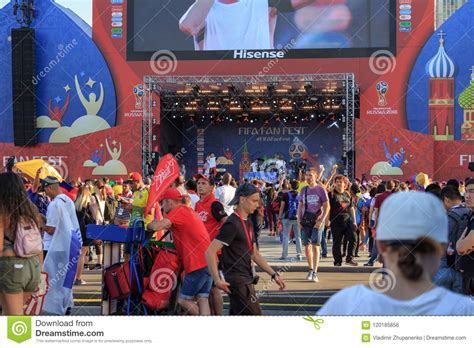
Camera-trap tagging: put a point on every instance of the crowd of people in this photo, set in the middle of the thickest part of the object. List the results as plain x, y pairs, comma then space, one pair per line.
216, 225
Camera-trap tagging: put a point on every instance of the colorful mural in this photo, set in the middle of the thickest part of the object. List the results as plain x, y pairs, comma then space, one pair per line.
416, 108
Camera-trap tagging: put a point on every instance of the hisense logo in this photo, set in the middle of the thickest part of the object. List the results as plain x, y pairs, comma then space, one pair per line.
246, 54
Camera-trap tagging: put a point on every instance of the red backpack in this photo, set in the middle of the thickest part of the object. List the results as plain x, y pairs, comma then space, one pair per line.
163, 279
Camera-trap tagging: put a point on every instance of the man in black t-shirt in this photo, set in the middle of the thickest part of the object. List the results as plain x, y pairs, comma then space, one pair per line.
343, 221
237, 242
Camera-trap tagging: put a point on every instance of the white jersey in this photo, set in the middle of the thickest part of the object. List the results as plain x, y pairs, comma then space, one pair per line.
361, 300
241, 25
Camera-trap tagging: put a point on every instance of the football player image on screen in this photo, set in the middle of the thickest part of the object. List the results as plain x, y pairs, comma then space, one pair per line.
235, 24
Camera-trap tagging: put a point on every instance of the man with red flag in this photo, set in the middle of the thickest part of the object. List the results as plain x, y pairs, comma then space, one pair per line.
212, 214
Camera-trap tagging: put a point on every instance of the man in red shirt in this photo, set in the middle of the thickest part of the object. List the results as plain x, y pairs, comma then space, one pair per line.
212, 214
209, 209
191, 240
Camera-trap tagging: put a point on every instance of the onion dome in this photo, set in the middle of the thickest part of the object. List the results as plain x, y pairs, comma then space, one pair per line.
466, 99
441, 66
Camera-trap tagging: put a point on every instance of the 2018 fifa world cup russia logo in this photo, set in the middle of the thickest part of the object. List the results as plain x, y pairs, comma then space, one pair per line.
382, 89
138, 92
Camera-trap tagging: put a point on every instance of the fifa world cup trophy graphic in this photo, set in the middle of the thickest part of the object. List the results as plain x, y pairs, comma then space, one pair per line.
382, 89
138, 92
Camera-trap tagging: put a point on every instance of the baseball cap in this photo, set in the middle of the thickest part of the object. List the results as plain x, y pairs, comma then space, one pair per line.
407, 216
244, 190
171, 193
48, 181
202, 176
134, 176
120, 181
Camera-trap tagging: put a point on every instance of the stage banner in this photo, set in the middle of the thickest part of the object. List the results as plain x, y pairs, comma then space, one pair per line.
166, 172
266, 151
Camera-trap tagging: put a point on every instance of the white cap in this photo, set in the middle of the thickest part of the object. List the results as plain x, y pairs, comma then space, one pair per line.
411, 215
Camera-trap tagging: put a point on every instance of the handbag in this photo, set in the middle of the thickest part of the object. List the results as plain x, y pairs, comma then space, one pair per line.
308, 219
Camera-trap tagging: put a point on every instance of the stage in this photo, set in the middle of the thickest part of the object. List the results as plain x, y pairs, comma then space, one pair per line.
278, 122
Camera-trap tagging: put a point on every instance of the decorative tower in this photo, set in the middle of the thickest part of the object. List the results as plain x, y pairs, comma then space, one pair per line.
466, 101
245, 162
441, 71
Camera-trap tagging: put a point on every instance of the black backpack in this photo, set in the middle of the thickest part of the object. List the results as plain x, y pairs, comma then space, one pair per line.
109, 212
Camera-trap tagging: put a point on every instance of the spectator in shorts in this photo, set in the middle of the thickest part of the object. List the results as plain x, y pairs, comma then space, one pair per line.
412, 234
313, 209
191, 240
212, 214
19, 277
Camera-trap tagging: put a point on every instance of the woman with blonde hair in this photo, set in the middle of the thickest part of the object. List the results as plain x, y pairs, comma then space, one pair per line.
85, 217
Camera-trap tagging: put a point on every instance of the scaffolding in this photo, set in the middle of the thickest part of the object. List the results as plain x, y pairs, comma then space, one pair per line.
156, 85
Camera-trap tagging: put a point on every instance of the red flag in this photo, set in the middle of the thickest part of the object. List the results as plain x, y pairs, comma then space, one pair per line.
166, 173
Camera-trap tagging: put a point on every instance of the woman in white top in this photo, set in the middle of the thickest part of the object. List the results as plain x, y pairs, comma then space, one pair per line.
412, 234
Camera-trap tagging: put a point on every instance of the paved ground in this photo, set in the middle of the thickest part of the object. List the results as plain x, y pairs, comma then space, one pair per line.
302, 297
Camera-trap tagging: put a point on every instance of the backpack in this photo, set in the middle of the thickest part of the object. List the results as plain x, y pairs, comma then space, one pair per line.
292, 206
109, 212
28, 241
275, 206
85, 218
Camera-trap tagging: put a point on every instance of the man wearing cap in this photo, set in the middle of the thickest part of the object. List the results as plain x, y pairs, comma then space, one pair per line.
62, 244
411, 236
237, 241
191, 240
212, 214
140, 196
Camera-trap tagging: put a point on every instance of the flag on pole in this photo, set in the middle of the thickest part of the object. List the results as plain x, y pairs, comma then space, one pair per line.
166, 173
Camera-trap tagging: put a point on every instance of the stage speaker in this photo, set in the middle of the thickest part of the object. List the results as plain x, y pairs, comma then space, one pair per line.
23, 87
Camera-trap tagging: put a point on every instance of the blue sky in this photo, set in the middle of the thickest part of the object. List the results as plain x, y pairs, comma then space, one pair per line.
81, 7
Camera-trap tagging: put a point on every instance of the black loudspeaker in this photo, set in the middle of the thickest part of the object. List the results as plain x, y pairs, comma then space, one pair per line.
24, 97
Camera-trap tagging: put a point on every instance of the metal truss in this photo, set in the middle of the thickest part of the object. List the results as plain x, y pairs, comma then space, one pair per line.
165, 84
